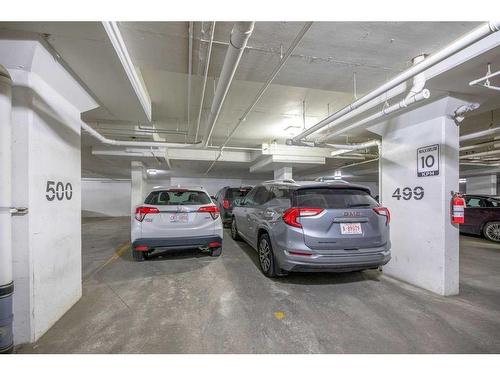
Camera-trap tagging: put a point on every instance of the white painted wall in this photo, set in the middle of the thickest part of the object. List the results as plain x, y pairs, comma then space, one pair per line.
46, 147
482, 185
105, 197
424, 242
138, 185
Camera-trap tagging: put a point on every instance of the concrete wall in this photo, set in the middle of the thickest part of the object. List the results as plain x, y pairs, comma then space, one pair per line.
482, 185
47, 103
105, 197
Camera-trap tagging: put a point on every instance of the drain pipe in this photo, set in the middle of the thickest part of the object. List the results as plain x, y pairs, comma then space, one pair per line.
6, 279
237, 42
475, 35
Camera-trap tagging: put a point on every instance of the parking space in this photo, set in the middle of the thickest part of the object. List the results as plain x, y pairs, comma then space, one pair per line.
192, 303
188, 186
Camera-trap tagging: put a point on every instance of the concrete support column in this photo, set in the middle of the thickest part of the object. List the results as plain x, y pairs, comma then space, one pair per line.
47, 103
283, 173
6, 278
138, 184
482, 185
417, 175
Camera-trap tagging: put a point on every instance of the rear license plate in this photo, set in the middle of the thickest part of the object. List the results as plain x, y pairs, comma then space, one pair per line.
179, 218
350, 228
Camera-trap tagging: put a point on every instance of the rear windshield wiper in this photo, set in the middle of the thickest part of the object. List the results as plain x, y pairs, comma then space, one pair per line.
359, 205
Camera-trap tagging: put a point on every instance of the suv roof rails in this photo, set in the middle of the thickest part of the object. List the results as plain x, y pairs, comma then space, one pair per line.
330, 179
288, 181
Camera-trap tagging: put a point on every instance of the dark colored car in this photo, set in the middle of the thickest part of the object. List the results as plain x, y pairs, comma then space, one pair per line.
482, 216
226, 198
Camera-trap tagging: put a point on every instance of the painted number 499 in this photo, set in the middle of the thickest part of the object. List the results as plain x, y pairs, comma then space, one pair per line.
58, 190
408, 193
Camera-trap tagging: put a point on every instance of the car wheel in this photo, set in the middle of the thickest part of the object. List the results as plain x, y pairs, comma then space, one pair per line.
138, 255
217, 252
266, 256
234, 230
492, 231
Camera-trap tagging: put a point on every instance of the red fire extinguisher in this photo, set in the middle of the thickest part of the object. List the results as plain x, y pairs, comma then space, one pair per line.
457, 209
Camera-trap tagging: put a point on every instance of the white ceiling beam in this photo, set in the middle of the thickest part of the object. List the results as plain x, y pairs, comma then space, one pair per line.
115, 36
274, 161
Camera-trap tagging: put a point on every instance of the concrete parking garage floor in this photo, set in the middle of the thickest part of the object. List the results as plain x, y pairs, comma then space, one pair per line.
191, 303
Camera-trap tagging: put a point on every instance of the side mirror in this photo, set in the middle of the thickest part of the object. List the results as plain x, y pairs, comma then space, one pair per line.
213, 197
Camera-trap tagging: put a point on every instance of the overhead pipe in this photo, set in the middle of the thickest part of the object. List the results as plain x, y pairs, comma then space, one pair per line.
481, 164
190, 71
493, 143
264, 87
358, 163
114, 142
205, 76
416, 93
237, 42
147, 130
482, 133
456, 46
423, 95
479, 154
348, 148
419, 79
6, 277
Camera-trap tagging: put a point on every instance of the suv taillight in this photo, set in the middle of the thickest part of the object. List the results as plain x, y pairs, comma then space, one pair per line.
383, 211
290, 216
213, 210
225, 203
141, 212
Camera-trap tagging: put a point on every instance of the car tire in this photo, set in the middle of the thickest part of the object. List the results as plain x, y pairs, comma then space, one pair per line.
234, 231
492, 231
266, 256
138, 256
217, 252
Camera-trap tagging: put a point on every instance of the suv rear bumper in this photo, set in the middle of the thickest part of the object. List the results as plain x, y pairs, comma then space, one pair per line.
177, 243
335, 263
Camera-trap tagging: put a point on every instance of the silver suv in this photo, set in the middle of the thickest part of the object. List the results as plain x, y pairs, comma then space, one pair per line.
313, 226
176, 218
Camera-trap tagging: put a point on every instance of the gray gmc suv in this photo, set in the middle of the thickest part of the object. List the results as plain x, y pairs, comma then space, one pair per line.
313, 226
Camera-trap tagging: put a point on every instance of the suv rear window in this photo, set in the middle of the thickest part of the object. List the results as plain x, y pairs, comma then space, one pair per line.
333, 198
232, 194
177, 197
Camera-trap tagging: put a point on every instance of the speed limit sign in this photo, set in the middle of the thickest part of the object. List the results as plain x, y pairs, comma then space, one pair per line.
428, 161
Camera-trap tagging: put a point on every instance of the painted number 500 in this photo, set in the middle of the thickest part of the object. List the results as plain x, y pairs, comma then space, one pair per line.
58, 190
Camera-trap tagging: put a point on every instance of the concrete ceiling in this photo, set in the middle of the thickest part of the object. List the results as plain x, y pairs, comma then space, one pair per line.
320, 72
